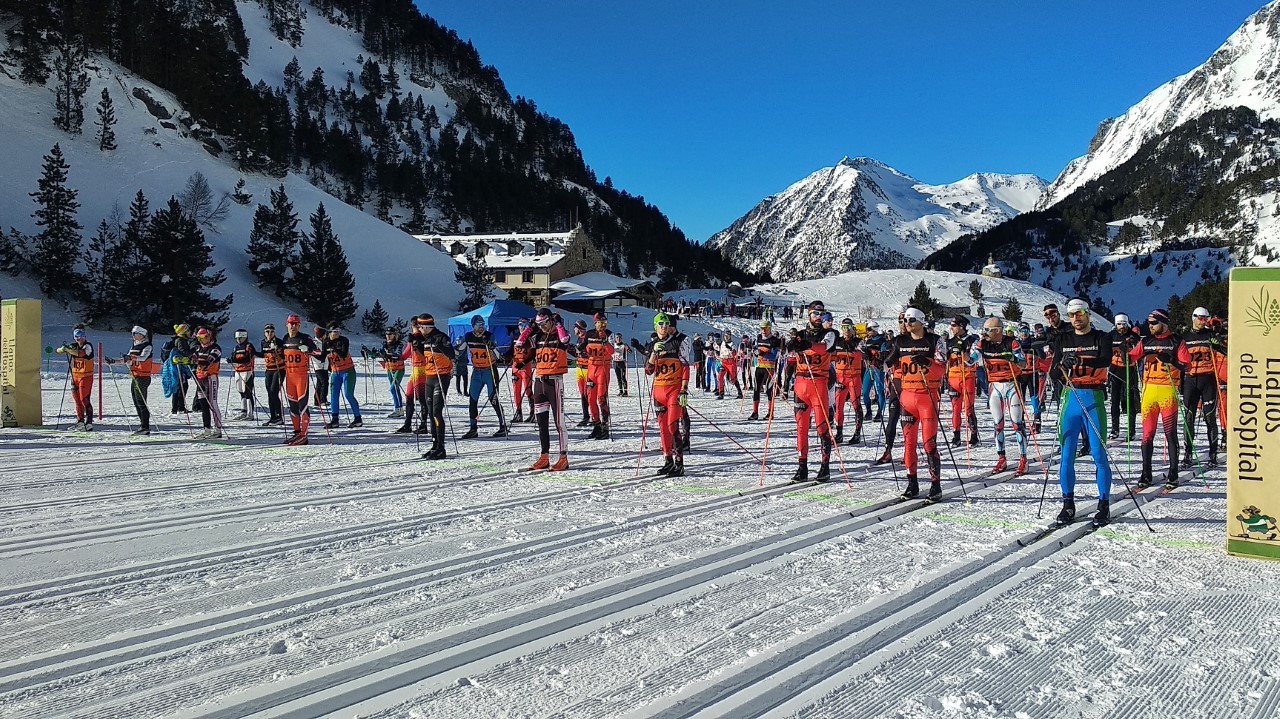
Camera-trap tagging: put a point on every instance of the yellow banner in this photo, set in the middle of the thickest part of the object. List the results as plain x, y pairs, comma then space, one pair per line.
20, 363
1253, 413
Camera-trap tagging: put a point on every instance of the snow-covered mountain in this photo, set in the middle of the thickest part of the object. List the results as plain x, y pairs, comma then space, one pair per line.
862, 213
1245, 71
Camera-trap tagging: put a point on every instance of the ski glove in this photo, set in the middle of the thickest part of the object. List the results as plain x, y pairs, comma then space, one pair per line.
1164, 358
658, 347
922, 359
683, 398
839, 386
1069, 361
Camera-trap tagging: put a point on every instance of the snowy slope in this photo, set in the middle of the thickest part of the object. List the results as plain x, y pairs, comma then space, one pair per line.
407, 276
1244, 71
862, 213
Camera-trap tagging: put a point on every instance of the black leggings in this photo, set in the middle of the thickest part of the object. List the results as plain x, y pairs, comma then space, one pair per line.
620, 371
1201, 391
275, 380
139, 393
548, 402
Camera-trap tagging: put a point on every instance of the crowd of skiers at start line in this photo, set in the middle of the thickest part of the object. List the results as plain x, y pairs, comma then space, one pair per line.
818, 368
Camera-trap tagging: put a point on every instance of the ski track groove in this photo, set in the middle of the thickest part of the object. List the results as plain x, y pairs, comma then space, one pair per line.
728, 604
337, 627
496, 528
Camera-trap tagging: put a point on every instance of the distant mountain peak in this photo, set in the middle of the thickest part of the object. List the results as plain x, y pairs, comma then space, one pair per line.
1244, 71
862, 213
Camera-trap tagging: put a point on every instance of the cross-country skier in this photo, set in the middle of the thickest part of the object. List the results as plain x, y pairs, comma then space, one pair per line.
320, 367
727, 355
619, 360
1001, 356
242, 364
962, 381
1208, 355
1081, 361
668, 357
578, 360
206, 358
874, 345
80, 353
812, 347
847, 363
178, 350
272, 353
342, 377
484, 367
298, 349
919, 355
391, 357
433, 358
141, 364
1162, 358
768, 350
522, 373
1123, 377
598, 351
550, 344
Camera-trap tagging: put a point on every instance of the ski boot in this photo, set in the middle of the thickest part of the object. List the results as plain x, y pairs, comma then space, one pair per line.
955, 438
595, 431
935, 490
542, 462
885, 458
1001, 464
397, 413
1068, 513
503, 431
973, 438
1104, 513
666, 467
561, 464
1022, 466
856, 438
913, 488
585, 421
331, 424
839, 434
1145, 480
403, 429
141, 432
755, 415
423, 428
471, 434
519, 416
802, 472
824, 471
1213, 457
604, 430
677, 467
357, 422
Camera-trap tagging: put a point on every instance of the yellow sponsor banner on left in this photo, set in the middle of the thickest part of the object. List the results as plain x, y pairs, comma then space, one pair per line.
1253, 413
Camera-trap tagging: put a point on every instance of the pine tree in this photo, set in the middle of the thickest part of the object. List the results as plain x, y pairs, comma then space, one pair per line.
293, 75
12, 251
325, 291
272, 241
106, 122
127, 262
175, 250
477, 289
1013, 310
923, 301
374, 320
71, 82
57, 246
28, 37
239, 196
100, 290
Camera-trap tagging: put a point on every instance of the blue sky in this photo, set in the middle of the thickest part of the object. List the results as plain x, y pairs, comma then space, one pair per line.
705, 108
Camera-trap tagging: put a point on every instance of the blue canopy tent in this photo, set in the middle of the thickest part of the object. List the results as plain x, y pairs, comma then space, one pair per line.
500, 318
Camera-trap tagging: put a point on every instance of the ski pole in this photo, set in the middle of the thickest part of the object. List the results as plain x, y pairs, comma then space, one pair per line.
829, 437
1187, 425
937, 399
721, 431
644, 430
124, 407
66, 379
1094, 428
